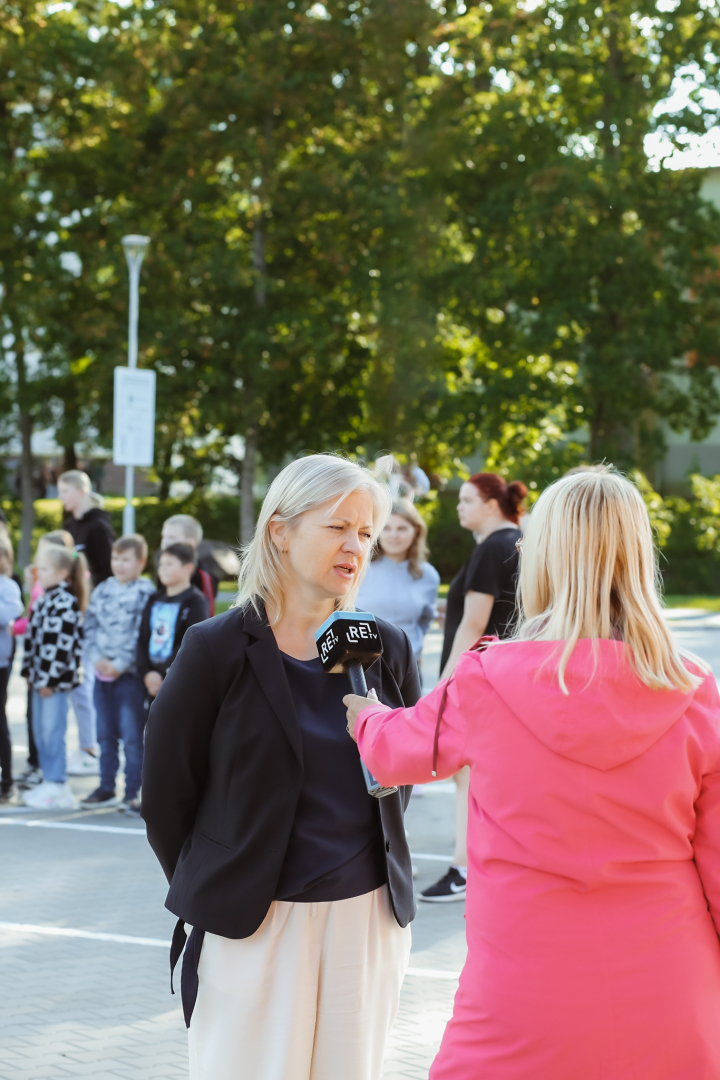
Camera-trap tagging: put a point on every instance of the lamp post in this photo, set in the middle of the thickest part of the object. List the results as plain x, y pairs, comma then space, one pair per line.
135, 248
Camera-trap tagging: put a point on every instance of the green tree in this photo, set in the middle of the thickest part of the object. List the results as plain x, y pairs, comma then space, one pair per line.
597, 271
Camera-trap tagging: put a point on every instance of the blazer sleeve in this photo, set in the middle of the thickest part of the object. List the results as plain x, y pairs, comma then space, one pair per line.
177, 742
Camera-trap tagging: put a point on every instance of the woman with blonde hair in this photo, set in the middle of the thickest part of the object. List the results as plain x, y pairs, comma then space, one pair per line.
297, 883
401, 585
593, 894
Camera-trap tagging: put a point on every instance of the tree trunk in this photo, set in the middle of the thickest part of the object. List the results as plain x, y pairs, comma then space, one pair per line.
27, 488
247, 501
69, 458
27, 492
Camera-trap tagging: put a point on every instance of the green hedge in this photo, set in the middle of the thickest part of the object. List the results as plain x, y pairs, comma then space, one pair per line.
689, 531
218, 515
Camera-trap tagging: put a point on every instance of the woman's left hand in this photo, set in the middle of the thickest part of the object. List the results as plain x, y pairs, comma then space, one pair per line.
355, 706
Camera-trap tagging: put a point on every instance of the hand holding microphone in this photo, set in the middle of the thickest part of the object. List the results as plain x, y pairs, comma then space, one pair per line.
355, 705
349, 641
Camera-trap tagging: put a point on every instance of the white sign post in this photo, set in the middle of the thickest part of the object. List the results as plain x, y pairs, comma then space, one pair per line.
133, 429
131, 444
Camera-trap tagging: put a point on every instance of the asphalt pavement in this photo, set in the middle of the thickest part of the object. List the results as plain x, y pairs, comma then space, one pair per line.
84, 934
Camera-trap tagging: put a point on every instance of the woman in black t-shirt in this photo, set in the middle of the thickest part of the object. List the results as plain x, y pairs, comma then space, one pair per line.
481, 600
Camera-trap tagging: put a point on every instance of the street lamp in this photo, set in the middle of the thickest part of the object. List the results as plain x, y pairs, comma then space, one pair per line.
135, 248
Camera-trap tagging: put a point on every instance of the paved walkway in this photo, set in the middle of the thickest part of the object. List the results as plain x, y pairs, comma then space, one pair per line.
85, 990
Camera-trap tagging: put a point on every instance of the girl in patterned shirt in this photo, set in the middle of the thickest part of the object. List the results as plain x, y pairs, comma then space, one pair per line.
52, 666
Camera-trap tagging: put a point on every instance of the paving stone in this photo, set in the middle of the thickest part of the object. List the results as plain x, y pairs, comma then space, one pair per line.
77, 1008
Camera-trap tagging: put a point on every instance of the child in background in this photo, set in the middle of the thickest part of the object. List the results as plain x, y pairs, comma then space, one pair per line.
168, 613
51, 664
112, 624
184, 529
11, 606
83, 762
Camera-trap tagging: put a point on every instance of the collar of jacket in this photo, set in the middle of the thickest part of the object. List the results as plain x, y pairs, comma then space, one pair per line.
265, 659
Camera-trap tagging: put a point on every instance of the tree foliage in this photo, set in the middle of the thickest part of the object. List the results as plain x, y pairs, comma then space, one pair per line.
379, 225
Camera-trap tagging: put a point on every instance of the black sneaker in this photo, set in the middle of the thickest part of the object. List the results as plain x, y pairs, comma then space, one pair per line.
449, 888
6, 793
99, 798
30, 778
132, 806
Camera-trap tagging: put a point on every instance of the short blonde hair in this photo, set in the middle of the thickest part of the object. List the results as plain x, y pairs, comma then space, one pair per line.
303, 485
191, 527
77, 479
589, 570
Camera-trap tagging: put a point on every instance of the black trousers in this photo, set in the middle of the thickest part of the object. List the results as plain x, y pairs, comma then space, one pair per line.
5, 744
33, 759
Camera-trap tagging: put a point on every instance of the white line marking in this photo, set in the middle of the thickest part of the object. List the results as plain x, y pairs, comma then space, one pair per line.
431, 973
74, 825
39, 824
91, 935
158, 943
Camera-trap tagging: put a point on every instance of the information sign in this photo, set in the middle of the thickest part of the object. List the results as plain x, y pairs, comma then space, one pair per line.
134, 416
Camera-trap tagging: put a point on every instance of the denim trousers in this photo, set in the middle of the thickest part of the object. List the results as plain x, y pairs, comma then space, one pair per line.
120, 709
49, 720
82, 703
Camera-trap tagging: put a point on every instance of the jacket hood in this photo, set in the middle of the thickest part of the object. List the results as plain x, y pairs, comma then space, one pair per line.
609, 716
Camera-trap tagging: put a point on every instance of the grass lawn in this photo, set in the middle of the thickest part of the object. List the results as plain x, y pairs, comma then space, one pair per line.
707, 603
224, 598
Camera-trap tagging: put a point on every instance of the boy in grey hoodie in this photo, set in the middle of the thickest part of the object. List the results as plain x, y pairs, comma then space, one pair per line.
112, 623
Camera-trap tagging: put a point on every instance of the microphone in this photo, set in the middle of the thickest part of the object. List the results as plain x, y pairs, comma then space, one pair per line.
349, 642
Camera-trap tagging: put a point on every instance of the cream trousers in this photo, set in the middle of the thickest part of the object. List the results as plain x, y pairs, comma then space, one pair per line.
311, 995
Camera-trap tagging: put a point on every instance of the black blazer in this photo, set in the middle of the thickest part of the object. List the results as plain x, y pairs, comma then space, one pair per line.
223, 772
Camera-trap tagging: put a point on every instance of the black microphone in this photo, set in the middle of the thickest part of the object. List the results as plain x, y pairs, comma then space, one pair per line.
349, 641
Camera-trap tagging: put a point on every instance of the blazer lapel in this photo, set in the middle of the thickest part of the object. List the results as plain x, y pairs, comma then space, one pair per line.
266, 662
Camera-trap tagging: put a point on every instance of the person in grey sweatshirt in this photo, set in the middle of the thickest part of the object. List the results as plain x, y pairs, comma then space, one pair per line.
112, 624
11, 608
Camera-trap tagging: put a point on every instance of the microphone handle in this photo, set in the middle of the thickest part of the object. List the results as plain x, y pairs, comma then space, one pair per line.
359, 687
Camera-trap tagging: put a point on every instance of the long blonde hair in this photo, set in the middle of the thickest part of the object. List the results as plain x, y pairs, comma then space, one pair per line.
76, 565
301, 486
589, 570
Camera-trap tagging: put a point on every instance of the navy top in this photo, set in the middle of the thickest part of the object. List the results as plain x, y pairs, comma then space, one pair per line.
335, 849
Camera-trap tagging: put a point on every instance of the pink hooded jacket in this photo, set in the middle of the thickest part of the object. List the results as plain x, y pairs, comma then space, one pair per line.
593, 898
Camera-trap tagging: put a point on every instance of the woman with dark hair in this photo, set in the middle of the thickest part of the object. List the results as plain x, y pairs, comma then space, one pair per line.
481, 600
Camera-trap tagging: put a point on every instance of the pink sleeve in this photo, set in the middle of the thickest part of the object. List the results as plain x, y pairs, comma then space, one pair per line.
397, 744
706, 841
20, 625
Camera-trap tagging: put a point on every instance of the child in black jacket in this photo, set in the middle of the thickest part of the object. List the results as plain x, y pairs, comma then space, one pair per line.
167, 615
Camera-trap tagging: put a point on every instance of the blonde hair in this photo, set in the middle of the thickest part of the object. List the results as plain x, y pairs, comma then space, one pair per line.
58, 536
303, 485
78, 479
6, 554
76, 565
191, 527
589, 570
417, 552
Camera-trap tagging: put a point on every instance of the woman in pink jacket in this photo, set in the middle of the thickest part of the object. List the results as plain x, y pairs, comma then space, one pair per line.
593, 896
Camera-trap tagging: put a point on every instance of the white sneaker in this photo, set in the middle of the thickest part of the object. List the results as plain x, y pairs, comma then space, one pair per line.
50, 796
83, 764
